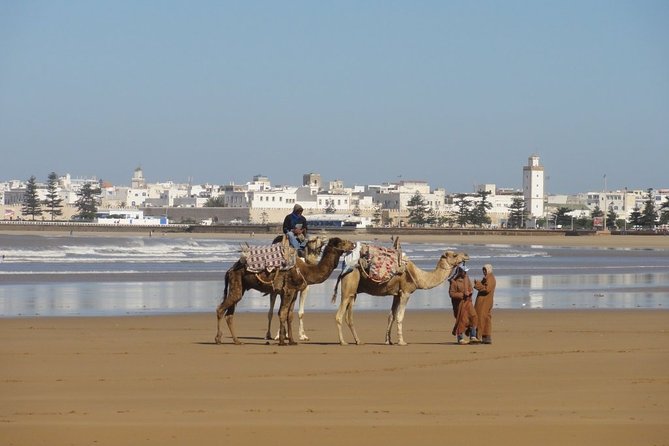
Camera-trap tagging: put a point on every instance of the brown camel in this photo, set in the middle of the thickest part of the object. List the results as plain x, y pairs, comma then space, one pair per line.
400, 287
286, 283
312, 254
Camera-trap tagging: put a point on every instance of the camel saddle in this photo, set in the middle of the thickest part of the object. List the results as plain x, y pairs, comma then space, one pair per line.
381, 264
268, 258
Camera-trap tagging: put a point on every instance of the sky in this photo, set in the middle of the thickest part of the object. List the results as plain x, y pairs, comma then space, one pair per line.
454, 93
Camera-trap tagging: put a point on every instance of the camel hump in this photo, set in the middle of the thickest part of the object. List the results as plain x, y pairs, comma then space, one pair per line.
278, 239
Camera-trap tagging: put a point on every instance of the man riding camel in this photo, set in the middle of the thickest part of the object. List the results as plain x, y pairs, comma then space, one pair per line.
295, 228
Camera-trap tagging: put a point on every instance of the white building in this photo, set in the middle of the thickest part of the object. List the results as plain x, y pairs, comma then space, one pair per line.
128, 217
533, 187
623, 202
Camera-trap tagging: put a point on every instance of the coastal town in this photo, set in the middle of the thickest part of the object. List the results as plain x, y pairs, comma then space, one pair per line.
333, 203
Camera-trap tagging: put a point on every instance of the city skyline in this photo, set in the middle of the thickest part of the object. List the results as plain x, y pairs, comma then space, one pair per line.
451, 93
298, 182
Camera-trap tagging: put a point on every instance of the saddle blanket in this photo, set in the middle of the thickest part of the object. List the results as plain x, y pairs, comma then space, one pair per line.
268, 258
382, 263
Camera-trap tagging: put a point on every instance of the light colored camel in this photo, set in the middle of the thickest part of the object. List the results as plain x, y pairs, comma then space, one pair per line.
400, 287
312, 254
286, 283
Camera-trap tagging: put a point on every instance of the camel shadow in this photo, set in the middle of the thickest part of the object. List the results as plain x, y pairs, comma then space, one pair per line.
261, 341
265, 342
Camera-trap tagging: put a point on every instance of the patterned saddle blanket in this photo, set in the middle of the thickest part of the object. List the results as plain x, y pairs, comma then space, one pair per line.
268, 257
381, 264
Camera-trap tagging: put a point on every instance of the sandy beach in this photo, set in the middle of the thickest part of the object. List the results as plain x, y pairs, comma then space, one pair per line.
551, 377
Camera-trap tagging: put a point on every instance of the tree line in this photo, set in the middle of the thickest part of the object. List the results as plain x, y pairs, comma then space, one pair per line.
87, 202
474, 213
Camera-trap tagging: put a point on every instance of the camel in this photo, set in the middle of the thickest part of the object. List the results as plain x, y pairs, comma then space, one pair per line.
285, 283
400, 287
312, 255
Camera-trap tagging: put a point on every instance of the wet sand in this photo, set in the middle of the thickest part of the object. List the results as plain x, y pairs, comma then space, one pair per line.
550, 377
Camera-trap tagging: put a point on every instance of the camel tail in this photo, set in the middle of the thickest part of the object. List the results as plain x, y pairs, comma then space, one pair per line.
227, 279
225, 288
334, 295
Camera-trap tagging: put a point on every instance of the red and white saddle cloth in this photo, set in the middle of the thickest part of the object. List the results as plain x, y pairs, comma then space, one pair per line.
268, 258
381, 264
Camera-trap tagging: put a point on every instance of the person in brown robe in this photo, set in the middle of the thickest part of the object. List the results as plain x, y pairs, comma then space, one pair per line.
460, 290
484, 302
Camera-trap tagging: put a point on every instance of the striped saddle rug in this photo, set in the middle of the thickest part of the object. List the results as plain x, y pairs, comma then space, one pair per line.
268, 258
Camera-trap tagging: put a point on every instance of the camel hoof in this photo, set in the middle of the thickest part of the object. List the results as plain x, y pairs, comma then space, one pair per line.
343, 343
292, 343
304, 338
237, 342
402, 343
217, 340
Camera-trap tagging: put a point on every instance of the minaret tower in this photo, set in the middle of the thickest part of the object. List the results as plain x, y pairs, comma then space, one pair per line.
533, 187
138, 181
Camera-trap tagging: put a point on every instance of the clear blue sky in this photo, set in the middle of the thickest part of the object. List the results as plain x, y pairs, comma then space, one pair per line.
455, 93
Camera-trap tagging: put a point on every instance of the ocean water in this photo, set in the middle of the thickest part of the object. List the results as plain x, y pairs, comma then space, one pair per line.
117, 275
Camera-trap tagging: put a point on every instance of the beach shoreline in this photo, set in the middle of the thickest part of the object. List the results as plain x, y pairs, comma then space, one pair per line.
630, 241
553, 377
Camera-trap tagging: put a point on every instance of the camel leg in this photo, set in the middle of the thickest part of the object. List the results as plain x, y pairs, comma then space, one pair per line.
339, 317
291, 339
227, 307
404, 299
270, 314
392, 316
349, 286
341, 313
229, 319
285, 318
349, 321
291, 307
300, 314
219, 315
282, 324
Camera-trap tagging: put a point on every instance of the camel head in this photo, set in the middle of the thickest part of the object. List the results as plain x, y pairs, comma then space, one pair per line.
450, 259
313, 249
316, 243
341, 245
